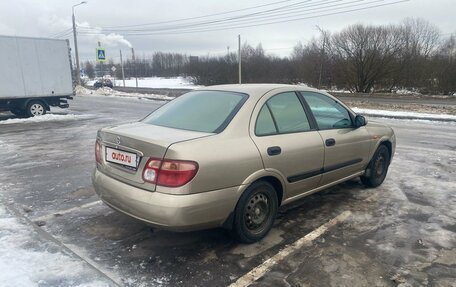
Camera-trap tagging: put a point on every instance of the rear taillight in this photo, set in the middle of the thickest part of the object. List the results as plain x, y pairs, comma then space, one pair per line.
151, 169
169, 173
98, 151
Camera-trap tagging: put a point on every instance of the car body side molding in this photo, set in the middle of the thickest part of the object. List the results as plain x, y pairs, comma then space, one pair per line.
302, 176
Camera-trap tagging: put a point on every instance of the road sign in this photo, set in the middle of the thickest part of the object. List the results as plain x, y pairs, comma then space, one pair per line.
101, 54
113, 68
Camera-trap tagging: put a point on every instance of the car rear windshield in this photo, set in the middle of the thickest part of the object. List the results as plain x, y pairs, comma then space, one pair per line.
202, 111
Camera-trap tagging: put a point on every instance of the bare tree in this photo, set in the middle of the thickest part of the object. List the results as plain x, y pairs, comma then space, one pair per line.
89, 70
445, 63
420, 41
365, 55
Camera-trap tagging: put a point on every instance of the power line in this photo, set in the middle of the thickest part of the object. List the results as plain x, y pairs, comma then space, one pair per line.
258, 18
56, 35
328, 11
199, 17
198, 23
295, 6
65, 35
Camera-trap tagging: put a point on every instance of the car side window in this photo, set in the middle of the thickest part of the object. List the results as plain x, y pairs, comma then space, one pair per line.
328, 113
286, 114
265, 124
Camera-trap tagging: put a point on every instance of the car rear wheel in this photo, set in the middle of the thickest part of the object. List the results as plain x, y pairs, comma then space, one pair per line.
35, 108
378, 167
255, 212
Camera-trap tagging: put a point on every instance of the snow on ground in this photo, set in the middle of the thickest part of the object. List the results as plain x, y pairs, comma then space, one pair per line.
108, 92
338, 91
408, 115
156, 82
25, 263
46, 118
406, 92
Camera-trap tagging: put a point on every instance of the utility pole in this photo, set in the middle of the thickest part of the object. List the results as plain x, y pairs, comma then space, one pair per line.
134, 64
322, 54
121, 65
78, 69
239, 59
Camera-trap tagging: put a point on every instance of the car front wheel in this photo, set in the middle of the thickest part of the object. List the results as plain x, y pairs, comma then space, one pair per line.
378, 167
255, 212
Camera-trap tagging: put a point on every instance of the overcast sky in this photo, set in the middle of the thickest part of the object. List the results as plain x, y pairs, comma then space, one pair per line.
45, 18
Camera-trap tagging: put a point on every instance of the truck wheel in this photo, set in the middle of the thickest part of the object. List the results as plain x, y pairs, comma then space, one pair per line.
18, 112
36, 108
255, 212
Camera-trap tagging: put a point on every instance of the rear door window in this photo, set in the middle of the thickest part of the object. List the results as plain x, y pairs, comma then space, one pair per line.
282, 113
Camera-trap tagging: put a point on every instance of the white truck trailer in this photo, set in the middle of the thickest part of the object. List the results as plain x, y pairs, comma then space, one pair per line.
35, 74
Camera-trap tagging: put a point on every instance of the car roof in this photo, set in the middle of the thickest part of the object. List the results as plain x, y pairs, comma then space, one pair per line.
256, 90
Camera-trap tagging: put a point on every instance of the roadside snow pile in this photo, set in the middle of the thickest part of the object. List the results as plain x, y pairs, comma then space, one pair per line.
46, 118
80, 90
303, 85
108, 92
338, 91
406, 92
405, 115
156, 82
25, 260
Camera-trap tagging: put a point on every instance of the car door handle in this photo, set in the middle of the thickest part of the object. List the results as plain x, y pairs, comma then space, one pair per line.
330, 142
274, 150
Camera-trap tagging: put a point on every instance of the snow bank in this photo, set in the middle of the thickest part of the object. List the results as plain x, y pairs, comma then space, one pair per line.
80, 90
46, 118
23, 262
156, 82
406, 92
338, 91
108, 92
405, 115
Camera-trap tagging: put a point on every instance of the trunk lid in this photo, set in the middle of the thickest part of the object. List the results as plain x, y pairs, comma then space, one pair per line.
140, 140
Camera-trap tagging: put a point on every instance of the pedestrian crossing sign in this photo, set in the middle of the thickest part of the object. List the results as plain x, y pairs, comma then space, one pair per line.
101, 54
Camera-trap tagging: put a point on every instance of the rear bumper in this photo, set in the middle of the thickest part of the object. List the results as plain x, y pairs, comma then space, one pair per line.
167, 211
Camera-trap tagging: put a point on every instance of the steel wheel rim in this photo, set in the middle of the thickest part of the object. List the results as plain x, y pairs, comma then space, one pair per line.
257, 212
37, 109
380, 164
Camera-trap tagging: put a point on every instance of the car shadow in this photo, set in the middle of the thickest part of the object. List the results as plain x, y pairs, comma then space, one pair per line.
118, 240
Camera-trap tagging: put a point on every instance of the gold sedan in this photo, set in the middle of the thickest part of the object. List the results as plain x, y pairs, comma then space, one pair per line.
230, 155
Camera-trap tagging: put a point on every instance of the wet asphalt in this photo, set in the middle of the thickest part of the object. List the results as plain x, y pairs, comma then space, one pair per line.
402, 233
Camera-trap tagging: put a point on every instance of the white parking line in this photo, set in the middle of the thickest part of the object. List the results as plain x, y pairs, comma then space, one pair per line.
261, 269
66, 211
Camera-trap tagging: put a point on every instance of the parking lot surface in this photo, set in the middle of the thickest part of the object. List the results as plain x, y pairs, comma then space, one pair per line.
401, 233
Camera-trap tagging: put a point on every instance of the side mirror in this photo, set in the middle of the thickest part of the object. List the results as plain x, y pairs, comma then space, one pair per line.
360, 121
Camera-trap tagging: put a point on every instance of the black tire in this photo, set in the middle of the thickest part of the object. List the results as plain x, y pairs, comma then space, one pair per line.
18, 112
35, 108
378, 167
255, 212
